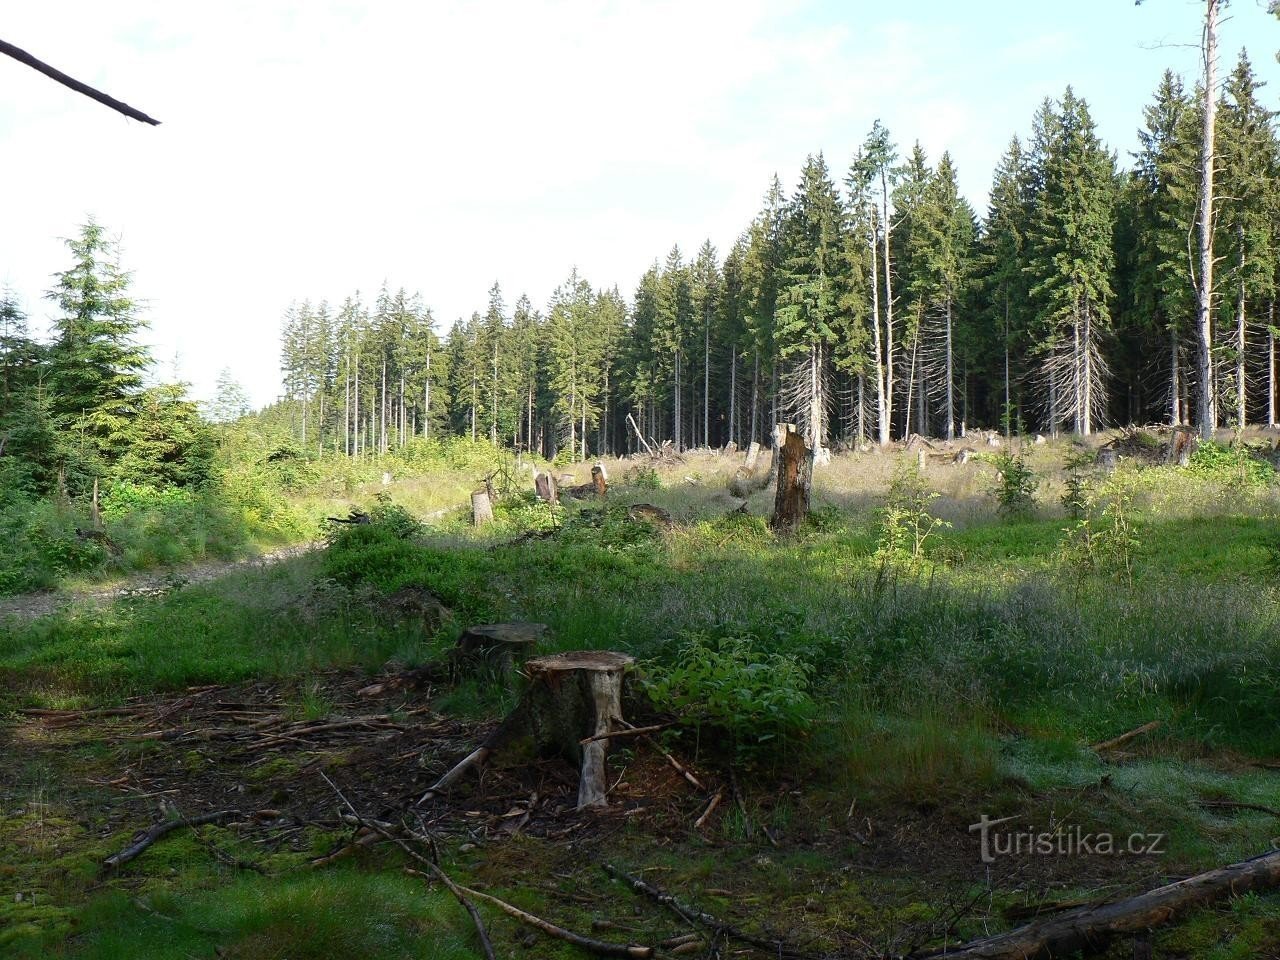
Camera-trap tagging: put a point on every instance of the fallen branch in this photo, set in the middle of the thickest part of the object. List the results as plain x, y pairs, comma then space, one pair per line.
1124, 738
1090, 928
711, 808
601, 947
1235, 805
54, 74
697, 918
629, 732
146, 838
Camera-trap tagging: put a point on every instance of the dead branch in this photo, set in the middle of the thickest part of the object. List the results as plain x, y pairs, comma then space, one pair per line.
711, 808
601, 947
631, 732
146, 838
697, 918
54, 74
1126, 737
1089, 928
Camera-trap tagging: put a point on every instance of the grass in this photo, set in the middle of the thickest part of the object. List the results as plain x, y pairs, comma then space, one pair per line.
972, 679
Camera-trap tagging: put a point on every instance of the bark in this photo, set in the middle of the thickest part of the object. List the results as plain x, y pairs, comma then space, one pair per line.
877, 347
1271, 366
733, 395
1241, 344
951, 390
1175, 388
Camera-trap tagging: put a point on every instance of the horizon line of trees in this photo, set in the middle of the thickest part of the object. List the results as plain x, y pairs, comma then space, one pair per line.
864, 310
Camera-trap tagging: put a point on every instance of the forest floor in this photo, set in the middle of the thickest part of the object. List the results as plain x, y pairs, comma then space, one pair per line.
971, 683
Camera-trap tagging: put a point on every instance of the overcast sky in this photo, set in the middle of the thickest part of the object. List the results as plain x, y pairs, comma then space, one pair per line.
312, 149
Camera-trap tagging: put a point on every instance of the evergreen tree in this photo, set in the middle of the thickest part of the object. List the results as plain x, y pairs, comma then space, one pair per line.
95, 362
1070, 240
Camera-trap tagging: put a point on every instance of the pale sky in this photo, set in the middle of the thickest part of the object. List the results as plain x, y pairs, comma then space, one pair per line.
312, 149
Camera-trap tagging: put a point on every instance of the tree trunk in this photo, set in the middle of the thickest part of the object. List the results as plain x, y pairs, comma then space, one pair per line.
706, 381
755, 397
794, 475
1208, 407
951, 397
1175, 388
1271, 365
888, 305
877, 347
733, 395
1241, 344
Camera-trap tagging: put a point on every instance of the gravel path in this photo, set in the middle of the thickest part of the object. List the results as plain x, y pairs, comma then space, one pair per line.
31, 606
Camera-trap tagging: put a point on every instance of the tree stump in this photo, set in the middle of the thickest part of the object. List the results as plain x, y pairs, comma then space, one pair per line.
573, 696
795, 474
753, 454
1182, 445
497, 647
544, 484
481, 508
599, 480
419, 603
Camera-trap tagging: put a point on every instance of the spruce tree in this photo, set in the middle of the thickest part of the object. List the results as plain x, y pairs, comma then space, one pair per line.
95, 362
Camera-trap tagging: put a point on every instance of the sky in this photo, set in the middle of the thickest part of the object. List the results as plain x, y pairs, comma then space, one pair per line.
310, 150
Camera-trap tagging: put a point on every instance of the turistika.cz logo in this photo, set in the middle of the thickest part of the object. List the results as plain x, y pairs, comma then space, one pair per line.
1064, 840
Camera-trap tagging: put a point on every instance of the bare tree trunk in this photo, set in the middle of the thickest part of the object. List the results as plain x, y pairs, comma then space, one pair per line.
1271, 364
676, 413
882, 404
1008, 406
426, 395
733, 394
1086, 374
862, 408
706, 381
1208, 408
493, 423
346, 408
1175, 388
755, 398
1241, 344
951, 399
888, 303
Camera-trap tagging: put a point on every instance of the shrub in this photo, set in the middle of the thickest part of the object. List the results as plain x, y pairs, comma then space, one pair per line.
1236, 465
905, 521
1015, 483
756, 698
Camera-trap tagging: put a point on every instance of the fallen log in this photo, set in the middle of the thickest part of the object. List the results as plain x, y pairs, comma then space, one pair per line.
1089, 929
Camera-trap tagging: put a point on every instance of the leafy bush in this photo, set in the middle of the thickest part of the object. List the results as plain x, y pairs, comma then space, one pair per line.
1236, 465
905, 522
729, 684
1103, 538
643, 478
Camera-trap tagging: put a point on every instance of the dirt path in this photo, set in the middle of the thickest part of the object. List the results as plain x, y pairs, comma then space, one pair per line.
31, 606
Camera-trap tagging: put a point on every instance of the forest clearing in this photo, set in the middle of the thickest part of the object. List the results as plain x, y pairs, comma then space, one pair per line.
892, 573
831, 711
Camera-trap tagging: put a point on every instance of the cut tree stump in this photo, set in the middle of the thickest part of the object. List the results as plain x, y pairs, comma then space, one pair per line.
780, 431
544, 484
753, 454
574, 696
795, 474
1182, 445
481, 508
497, 647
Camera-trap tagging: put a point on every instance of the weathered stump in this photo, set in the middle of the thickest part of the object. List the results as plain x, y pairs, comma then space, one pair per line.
544, 484
481, 508
647, 511
599, 480
753, 454
1182, 445
497, 647
573, 697
795, 474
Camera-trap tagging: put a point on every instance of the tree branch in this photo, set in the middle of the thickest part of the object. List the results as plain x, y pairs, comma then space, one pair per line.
23, 57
